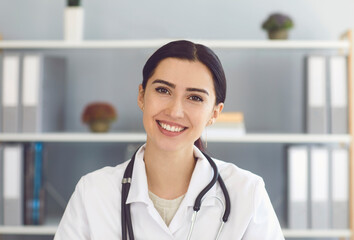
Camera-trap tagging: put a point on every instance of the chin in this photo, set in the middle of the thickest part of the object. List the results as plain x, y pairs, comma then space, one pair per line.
171, 146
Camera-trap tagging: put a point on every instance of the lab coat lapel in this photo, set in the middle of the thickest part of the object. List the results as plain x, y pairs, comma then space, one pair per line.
138, 192
202, 175
138, 188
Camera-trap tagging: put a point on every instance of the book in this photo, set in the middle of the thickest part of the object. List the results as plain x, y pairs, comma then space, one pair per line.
298, 184
10, 86
316, 106
43, 93
228, 124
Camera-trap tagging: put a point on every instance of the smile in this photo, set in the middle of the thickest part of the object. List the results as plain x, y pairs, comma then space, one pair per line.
171, 128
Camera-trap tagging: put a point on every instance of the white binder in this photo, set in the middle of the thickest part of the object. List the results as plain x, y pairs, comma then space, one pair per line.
298, 187
320, 204
1, 185
340, 188
338, 94
10, 93
13, 184
43, 93
316, 117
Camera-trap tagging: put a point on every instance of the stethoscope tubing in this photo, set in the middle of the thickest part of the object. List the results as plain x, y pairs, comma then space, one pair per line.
125, 208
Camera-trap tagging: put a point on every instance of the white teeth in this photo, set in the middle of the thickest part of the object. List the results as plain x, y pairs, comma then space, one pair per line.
170, 128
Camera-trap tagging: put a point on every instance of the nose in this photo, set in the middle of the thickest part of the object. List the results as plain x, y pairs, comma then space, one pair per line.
175, 109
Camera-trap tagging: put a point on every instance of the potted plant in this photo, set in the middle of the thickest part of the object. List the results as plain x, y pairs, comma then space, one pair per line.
73, 21
99, 116
277, 26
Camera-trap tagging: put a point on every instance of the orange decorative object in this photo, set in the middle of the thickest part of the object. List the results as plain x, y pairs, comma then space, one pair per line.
98, 116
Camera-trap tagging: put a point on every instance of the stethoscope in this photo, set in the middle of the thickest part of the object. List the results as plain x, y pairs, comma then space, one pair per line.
125, 208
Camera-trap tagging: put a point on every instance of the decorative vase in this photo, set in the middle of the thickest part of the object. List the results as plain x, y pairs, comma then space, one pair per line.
279, 34
99, 126
73, 23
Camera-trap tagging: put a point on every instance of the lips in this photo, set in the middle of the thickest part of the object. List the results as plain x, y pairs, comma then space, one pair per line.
171, 127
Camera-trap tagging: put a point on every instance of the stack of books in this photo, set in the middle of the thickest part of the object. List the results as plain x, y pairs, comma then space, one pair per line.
228, 124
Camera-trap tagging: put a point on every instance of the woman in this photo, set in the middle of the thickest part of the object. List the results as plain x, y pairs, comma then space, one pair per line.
182, 92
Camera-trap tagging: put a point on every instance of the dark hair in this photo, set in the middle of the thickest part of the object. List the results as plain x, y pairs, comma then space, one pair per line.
186, 50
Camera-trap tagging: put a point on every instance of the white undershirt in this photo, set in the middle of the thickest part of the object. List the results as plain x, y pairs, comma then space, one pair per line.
166, 208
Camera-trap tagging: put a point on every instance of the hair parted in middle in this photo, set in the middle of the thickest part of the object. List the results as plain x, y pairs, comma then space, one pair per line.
187, 50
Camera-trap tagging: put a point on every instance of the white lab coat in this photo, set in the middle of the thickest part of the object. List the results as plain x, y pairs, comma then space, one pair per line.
94, 210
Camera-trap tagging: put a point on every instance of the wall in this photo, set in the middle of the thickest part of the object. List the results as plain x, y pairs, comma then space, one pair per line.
266, 85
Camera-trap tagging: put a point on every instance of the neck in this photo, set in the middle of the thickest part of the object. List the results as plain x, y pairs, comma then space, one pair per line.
168, 172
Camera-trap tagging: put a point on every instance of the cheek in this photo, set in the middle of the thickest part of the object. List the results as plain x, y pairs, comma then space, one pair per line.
152, 104
152, 108
200, 117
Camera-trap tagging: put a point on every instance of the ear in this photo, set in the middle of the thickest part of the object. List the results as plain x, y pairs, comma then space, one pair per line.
141, 97
216, 112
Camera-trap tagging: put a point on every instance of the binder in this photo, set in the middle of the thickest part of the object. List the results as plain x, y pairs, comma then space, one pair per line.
13, 184
298, 187
1, 186
340, 188
43, 93
320, 204
1, 99
38, 190
10, 93
338, 94
316, 117
29, 181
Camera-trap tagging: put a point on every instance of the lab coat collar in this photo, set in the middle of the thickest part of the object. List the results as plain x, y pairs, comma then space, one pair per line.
202, 175
139, 188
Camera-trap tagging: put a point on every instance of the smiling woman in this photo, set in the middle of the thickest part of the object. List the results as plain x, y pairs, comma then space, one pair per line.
179, 95
169, 179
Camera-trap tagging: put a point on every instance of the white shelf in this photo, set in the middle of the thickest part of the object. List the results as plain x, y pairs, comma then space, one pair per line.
73, 137
283, 138
154, 43
317, 233
50, 230
141, 137
28, 230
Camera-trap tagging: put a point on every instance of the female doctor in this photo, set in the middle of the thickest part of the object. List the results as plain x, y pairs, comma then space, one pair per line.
182, 92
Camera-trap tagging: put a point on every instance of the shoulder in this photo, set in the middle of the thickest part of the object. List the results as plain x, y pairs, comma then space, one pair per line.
106, 178
238, 178
230, 170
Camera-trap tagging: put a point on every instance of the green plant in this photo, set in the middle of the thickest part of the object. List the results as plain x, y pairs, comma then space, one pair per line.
74, 3
277, 22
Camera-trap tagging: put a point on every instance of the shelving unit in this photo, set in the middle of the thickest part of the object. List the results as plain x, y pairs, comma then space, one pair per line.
28, 230
141, 137
50, 230
154, 43
346, 45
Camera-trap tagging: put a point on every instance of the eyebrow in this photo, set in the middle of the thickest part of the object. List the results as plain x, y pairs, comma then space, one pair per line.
171, 85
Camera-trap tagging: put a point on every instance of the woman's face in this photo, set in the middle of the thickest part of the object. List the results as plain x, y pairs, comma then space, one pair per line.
177, 103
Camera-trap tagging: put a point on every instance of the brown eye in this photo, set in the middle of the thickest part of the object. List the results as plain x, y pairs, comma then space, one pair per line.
162, 90
196, 98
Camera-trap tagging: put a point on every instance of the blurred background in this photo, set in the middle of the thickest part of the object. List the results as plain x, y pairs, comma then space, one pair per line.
267, 86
